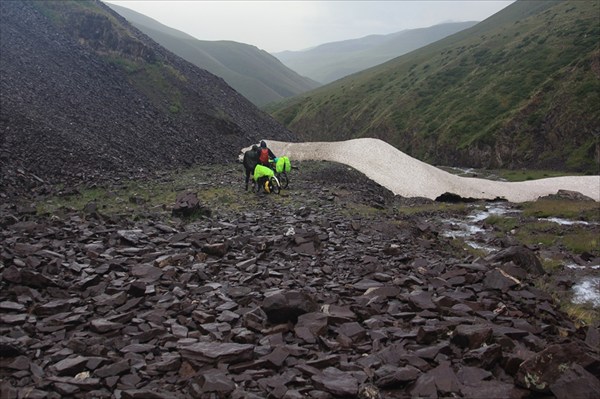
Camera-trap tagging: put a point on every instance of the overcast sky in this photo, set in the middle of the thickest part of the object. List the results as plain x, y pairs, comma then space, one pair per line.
295, 25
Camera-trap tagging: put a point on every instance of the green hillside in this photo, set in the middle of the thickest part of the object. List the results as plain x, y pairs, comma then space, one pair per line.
332, 61
254, 73
520, 89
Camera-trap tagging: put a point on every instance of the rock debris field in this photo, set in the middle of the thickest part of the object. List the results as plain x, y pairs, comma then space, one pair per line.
325, 291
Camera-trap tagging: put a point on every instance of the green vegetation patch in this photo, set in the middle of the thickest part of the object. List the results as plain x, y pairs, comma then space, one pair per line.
532, 231
156, 198
529, 174
588, 211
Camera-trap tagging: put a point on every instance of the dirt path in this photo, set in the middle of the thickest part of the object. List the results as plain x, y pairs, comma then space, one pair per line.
409, 177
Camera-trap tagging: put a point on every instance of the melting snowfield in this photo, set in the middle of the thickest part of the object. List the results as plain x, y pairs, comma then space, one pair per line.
409, 177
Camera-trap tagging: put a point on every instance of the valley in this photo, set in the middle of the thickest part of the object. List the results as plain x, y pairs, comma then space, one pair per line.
133, 263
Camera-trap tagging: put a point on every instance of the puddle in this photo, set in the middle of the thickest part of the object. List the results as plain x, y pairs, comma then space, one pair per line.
470, 172
490, 210
580, 267
587, 291
483, 247
565, 222
462, 229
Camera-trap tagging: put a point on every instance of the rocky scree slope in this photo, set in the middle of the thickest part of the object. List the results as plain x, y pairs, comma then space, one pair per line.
328, 292
84, 95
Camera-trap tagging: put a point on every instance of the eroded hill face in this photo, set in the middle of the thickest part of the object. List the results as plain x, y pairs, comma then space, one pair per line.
259, 76
85, 95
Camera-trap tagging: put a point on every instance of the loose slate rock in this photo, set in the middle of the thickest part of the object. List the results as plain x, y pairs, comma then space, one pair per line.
549, 365
213, 352
520, 256
576, 382
283, 306
336, 382
321, 304
471, 336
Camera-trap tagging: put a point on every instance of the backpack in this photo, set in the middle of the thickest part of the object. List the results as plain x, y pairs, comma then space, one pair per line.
264, 156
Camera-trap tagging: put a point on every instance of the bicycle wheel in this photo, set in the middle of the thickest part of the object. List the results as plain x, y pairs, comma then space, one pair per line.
283, 180
274, 185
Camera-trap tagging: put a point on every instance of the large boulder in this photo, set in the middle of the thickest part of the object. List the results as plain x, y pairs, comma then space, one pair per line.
522, 257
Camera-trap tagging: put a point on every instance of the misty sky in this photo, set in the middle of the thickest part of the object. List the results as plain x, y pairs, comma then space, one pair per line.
295, 25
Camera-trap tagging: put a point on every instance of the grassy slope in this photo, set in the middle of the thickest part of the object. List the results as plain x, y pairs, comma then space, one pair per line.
520, 89
332, 61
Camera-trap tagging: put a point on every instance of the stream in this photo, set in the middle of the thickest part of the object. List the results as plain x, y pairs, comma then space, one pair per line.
586, 279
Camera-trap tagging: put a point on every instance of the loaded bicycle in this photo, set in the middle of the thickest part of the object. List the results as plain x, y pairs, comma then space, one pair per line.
271, 177
264, 178
281, 166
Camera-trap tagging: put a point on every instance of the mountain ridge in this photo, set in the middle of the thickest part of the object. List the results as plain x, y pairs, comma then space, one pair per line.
331, 61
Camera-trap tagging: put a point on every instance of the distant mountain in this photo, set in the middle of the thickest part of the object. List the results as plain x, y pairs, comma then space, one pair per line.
85, 95
520, 89
256, 74
332, 61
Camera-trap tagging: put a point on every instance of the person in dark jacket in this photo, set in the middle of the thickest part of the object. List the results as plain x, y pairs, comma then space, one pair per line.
250, 161
265, 154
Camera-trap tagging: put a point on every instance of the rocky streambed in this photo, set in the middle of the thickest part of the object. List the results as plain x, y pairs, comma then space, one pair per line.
334, 289
580, 275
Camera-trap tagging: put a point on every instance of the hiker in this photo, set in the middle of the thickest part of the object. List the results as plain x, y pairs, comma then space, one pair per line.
250, 161
265, 154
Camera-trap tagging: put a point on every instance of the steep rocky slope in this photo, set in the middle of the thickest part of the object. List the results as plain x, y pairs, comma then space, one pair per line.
84, 95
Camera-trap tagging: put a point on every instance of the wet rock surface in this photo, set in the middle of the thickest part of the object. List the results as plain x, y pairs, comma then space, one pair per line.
310, 294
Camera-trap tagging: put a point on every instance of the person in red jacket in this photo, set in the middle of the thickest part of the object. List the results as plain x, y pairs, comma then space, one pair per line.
265, 154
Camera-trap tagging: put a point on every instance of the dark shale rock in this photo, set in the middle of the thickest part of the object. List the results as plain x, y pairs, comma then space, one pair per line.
397, 377
567, 195
216, 381
336, 382
283, 306
188, 204
209, 353
522, 257
498, 279
217, 249
575, 382
310, 326
550, 365
494, 389
275, 303
471, 336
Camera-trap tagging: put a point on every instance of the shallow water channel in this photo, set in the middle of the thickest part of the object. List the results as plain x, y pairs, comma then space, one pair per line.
476, 234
